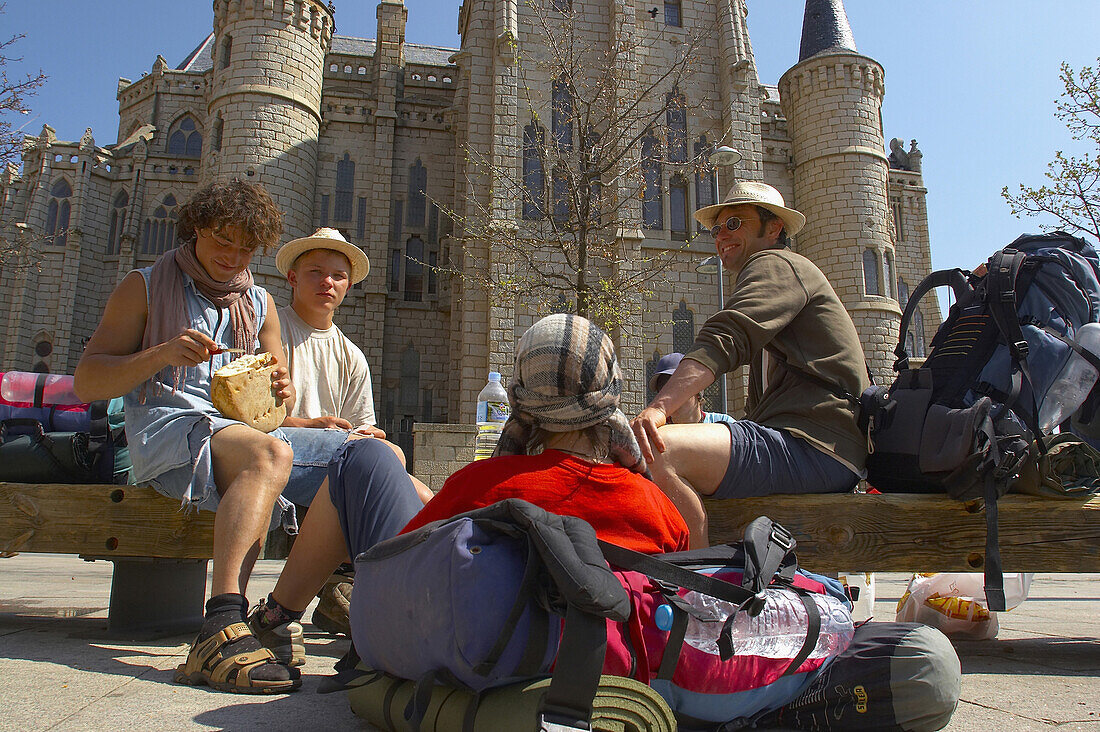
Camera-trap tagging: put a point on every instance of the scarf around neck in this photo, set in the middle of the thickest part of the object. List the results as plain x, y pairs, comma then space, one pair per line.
168, 309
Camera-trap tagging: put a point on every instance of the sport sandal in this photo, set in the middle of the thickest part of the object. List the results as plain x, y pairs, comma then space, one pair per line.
209, 664
285, 640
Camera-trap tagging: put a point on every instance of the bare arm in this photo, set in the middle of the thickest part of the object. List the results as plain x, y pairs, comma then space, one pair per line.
271, 341
690, 378
113, 363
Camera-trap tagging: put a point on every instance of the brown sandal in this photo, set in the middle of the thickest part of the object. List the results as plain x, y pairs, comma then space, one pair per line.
207, 663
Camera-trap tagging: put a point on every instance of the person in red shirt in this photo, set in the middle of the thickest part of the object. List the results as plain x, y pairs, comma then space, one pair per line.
565, 403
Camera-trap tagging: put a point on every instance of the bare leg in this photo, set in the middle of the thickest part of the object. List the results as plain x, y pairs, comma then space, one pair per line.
250, 470
694, 461
317, 552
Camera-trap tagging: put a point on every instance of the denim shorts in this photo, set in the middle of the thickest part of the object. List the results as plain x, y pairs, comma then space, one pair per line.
313, 449
764, 461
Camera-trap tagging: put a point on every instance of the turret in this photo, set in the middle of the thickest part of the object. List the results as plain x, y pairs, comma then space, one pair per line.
832, 99
264, 104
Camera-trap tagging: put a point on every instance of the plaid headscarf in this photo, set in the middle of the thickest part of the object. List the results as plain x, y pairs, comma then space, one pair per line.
567, 378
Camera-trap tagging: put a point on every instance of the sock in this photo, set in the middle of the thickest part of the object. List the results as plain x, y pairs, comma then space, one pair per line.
275, 614
222, 610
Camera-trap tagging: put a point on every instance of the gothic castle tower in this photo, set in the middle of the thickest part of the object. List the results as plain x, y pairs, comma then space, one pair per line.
264, 103
832, 101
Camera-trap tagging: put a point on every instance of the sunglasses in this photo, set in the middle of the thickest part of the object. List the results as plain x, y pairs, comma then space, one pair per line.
733, 223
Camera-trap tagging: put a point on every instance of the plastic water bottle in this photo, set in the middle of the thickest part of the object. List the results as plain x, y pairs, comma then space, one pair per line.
492, 412
1072, 386
22, 386
777, 632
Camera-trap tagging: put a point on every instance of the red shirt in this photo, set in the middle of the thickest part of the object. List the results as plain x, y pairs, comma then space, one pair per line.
623, 507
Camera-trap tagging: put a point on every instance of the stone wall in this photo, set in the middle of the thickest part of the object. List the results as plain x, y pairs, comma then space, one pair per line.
441, 449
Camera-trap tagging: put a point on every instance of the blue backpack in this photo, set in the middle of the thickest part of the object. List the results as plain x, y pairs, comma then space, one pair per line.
964, 422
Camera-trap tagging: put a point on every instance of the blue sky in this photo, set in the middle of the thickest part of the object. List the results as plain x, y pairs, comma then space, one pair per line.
974, 81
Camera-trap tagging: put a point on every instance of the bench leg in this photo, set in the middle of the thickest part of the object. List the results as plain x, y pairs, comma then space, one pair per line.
157, 596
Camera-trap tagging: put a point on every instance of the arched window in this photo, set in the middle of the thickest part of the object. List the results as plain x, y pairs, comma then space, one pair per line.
227, 50
160, 228
408, 389
704, 175
652, 215
57, 213
414, 270
534, 177
903, 293
918, 334
672, 13
219, 126
395, 270
560, 189
561, 118
887, 272
676, 119
650, 369
870, 273
683, 328
184, 138
118, 222
678, 207
418, 187
345, 189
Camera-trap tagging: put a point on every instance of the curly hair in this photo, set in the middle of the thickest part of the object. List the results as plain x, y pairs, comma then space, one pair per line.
247, 205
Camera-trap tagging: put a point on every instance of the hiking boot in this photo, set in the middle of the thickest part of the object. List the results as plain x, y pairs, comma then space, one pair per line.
331, 613
286, 640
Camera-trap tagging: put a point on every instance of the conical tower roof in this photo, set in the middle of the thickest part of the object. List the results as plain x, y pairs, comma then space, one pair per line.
825, 28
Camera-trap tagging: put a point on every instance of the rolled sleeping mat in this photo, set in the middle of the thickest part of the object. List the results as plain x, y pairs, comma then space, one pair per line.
621, 705
894, 676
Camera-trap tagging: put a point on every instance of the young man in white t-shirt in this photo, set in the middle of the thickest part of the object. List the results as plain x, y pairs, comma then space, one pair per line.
329, 371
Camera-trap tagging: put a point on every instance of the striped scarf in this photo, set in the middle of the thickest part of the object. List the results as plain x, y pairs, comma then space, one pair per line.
567, 378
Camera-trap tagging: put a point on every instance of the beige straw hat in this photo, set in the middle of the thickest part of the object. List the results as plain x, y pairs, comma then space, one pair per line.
755, 194
324, 238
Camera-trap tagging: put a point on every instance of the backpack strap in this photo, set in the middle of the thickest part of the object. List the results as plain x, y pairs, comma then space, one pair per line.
1004, 269
567, 704
953, 278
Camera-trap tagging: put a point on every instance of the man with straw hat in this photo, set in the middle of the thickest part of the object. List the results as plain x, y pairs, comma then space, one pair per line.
331, 376
328, 370
800, 434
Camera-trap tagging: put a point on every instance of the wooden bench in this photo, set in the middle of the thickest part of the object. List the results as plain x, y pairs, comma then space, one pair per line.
922, 533
160, 553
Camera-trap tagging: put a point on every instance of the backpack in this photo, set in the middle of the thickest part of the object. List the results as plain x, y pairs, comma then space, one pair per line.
83, 443
477, 601
508, 592
963, 422
729, 633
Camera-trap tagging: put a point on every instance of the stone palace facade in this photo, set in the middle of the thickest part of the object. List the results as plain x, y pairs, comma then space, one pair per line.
367, 135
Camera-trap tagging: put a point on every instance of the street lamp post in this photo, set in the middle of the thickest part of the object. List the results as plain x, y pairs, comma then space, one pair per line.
720, 155
713, 265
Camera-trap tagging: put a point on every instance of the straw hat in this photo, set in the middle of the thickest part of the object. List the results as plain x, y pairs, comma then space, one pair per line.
324, 238
755, 194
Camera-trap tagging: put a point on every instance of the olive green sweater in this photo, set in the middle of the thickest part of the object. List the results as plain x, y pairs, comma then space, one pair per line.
782, 300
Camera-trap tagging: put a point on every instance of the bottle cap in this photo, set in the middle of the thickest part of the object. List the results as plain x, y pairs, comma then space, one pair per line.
662, 618
494, 376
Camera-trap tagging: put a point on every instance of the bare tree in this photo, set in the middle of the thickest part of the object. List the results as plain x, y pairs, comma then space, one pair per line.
15, 89
1072, 193
584, 174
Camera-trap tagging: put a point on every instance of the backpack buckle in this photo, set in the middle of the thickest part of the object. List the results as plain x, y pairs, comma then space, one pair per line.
782, 538
1020, 348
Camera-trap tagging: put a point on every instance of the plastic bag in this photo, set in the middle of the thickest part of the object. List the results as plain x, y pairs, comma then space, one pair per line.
864, 607
955, 602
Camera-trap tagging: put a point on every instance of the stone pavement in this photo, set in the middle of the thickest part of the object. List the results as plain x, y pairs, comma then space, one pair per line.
60, 671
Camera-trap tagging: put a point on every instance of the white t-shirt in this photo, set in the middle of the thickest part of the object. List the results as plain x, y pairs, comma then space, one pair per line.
329, 372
